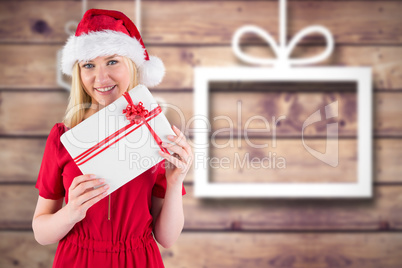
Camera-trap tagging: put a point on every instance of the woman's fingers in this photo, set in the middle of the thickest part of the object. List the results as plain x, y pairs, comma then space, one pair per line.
181, 148
83, 184
180, 145
88, 185
80, 179
176, 149
85, 198
93, 201
183, 156
179, 164
85, 190
180, 139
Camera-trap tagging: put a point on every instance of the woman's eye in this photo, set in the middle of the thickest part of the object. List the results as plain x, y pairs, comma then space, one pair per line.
112, 62
88, 65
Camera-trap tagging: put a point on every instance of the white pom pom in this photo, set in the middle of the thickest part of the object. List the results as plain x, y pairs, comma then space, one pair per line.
151, 72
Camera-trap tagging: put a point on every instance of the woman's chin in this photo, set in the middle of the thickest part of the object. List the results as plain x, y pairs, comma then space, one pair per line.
106, 98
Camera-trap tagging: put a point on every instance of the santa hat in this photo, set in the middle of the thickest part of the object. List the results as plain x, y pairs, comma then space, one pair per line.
108, 32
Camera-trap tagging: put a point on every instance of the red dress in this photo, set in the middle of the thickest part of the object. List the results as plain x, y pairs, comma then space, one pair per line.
126, 240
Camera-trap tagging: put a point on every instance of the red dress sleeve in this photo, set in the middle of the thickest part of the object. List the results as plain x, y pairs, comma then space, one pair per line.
50, 180
159, 188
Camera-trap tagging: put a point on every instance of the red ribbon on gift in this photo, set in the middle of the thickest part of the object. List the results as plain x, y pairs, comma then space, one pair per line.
136, 114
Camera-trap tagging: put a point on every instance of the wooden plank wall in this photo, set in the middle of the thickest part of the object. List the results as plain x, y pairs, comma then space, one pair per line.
218, 233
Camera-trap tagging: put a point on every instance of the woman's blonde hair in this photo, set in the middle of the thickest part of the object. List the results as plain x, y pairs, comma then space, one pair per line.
79, 101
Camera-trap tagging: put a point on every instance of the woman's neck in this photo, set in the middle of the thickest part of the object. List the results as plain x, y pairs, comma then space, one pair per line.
92, 110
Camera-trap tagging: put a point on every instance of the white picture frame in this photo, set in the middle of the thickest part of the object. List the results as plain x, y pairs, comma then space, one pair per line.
203, 188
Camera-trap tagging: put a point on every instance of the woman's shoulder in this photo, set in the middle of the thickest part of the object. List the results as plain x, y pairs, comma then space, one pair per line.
57, 130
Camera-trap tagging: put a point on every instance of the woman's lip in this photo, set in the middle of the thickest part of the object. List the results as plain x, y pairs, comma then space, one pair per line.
104, 87
105, 93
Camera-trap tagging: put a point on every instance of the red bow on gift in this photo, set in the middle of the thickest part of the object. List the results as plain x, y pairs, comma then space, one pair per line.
136, 113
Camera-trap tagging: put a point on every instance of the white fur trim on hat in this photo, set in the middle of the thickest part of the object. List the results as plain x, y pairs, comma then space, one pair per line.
151, 71
105, 43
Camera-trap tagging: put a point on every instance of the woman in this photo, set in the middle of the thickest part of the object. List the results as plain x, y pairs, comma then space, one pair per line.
107, 57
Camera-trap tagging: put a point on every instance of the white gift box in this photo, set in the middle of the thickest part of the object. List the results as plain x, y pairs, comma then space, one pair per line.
108, 145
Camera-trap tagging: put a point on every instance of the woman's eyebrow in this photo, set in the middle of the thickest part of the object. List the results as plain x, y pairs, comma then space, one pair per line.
108, 58
111, 57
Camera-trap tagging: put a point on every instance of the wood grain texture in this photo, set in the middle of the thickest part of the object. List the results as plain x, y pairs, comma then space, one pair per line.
291, 250
390, 152
32, 113
18, 216
20, 250
35, 113
383, 212
33, 66
209, 249
280, 161
378, 213
351, 22
21, 159
280, 113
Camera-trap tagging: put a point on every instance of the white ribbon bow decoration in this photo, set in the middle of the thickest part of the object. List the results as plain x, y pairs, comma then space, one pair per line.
282, 51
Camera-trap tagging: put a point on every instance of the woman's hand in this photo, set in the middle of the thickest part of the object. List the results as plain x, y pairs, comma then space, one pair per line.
82, 195
180, 162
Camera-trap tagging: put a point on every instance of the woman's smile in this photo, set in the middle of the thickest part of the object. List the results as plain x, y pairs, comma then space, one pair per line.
105, 90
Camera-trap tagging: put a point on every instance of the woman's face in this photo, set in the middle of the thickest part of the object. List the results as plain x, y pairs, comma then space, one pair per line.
105, 78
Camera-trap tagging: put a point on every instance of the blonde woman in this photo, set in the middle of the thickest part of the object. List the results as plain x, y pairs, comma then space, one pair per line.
107, 57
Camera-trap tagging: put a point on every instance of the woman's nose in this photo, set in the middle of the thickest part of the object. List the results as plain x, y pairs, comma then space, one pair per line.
102, 75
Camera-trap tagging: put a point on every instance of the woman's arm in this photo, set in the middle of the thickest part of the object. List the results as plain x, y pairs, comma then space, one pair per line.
168, 212
168, 216
51, 222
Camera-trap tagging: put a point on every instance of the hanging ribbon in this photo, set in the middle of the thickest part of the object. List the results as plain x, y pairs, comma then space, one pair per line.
282, 51
137, 115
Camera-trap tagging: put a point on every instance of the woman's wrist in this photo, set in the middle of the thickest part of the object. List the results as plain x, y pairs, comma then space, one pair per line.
175, 186
66, 215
